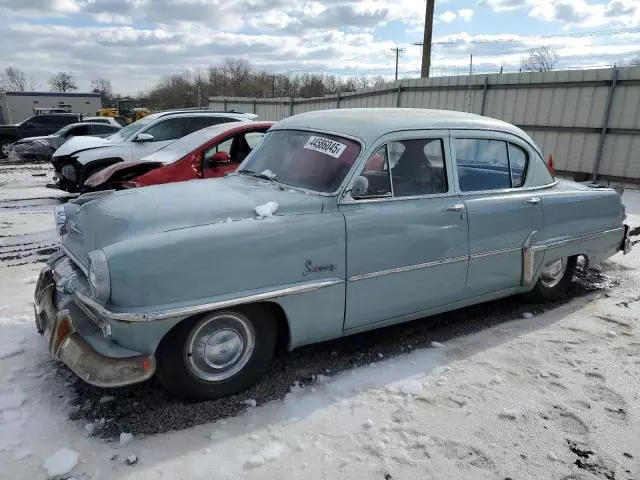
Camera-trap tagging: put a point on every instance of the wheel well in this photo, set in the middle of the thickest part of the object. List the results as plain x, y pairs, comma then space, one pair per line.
586, 264
284, 333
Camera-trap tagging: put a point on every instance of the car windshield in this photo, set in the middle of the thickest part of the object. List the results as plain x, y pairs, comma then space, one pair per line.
309, 160
64, 129
129, 130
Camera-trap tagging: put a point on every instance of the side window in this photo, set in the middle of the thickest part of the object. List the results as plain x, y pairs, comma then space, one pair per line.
170, 129
198, 123
482, 164
417, 167
79, 131
254, 138
102, 129
518, 160
376, 171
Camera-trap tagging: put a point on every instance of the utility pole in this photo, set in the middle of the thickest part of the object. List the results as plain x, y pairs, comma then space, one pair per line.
426, 45
273, 86
398, 52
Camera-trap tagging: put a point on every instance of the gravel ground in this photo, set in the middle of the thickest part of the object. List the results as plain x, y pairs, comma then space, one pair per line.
148, 409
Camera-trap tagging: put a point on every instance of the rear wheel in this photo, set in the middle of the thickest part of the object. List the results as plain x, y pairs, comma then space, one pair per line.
217, 354
554, 280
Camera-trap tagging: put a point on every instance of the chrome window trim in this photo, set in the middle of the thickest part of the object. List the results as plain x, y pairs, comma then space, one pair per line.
510, 190
408, 268
346, 199
192, 310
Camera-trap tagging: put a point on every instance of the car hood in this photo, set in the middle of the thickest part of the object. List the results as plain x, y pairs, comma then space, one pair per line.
31, 139
98, 220
77, 144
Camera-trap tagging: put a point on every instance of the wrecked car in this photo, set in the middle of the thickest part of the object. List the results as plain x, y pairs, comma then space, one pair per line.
208, 153
340, 221
81, 157
41, 148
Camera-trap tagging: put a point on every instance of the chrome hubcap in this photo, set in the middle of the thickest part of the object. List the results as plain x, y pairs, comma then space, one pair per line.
553, 272
219, 346
6, 149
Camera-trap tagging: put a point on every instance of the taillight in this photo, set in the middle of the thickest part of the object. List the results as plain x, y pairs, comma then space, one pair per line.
551, 166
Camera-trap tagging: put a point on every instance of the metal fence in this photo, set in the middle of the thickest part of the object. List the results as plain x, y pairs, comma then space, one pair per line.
588, 120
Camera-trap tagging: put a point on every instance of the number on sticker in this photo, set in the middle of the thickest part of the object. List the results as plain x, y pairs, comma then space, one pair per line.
326, 146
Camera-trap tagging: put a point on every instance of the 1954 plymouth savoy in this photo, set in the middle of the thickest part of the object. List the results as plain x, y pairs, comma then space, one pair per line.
383, 216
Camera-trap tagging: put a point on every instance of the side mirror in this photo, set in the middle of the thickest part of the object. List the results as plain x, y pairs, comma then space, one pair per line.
360, 187
218, 159
144, 137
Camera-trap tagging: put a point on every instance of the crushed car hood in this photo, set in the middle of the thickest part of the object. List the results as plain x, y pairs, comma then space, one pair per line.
77, 144
111, 217
31, 139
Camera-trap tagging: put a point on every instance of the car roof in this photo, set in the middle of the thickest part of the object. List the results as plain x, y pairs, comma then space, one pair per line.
87, 123
368, 124
198, 113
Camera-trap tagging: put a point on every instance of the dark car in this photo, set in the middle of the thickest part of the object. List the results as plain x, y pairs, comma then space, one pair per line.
33, 127
42, 148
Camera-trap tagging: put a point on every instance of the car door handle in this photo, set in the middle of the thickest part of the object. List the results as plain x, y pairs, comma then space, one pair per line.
534, 200
458, 207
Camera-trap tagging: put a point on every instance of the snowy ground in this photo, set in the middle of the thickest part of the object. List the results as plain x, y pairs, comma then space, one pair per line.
555, 396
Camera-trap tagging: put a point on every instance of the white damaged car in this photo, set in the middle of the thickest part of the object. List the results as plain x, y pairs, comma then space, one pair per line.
81, 157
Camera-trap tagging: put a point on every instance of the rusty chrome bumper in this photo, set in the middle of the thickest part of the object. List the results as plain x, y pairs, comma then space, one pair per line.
69, 346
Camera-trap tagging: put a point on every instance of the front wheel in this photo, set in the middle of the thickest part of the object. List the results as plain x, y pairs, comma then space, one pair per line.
217, 354
554, 280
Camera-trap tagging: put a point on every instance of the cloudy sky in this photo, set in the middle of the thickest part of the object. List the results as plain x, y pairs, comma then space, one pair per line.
135, 42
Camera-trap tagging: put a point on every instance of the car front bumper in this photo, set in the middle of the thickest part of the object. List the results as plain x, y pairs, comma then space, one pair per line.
66, 331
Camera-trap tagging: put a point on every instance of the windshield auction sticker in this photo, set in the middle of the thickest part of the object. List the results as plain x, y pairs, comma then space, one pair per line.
326, 146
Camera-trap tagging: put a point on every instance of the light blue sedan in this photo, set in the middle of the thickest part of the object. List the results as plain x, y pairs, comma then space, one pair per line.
341, 221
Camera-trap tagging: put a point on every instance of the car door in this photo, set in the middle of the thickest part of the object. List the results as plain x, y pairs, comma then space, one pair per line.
407, 236
163, 132
491, 169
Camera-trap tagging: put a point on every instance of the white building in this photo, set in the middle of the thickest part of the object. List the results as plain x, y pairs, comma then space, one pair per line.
16, 106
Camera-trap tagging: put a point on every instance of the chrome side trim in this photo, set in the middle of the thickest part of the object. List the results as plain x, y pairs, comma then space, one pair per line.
192, 310
495, 252
408, 268
570, 241
528, 258
74, 259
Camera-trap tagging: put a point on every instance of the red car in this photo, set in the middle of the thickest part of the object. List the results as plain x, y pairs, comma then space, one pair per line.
207, 153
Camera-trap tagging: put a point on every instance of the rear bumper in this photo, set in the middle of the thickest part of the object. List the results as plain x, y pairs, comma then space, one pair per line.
67, 343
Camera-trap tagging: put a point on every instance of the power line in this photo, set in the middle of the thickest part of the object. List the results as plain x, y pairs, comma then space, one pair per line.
597, 33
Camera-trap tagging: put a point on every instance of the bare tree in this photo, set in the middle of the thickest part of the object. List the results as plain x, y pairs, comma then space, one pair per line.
540, 59
12, 79
104, 88
62, 82
635, 62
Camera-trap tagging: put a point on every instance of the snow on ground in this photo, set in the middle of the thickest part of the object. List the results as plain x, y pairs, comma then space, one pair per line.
551, 397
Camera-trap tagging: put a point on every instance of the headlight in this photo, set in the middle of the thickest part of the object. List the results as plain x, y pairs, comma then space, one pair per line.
69, 172
61, 218
99, 279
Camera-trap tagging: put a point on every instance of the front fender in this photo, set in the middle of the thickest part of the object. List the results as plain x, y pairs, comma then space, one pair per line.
197, 265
